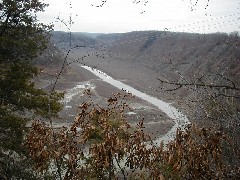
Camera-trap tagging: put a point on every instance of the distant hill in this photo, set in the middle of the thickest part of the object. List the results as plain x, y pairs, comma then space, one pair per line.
191, 53
108, 39
52, 55
63, 39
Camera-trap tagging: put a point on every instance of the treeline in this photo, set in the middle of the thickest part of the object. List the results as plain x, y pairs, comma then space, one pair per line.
100, 144
22, 39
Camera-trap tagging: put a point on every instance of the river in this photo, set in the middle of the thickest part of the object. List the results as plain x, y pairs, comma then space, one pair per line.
179, 118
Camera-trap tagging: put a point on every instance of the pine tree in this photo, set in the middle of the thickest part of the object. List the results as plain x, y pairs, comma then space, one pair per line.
22, 39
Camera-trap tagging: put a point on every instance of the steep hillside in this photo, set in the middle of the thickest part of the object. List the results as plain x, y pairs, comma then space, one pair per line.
190, 53
63, 39
51, 56
109, 39
141, 57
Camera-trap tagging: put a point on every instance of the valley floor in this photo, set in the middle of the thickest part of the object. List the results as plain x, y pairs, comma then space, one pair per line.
140, 77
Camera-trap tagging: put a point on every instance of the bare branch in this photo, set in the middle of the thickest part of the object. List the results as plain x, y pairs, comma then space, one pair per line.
122, 170
231, 96
234, 85
101, 4
199, 85
179, 86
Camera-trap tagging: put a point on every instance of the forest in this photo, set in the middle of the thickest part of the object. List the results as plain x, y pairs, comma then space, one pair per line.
101, 132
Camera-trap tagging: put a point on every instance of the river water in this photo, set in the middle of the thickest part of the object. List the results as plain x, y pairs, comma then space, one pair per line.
179, 118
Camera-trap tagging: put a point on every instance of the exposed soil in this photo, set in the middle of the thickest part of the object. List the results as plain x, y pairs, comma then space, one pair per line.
139, 65
139, 77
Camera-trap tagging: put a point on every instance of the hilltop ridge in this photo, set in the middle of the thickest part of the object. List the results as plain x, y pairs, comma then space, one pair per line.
141, 57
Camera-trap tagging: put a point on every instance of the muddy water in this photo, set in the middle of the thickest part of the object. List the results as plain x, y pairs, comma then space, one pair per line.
179, 119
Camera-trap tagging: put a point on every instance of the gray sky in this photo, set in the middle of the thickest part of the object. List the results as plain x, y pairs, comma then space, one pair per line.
125, 16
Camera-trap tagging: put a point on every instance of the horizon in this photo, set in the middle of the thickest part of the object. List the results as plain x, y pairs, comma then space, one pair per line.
126, 16
148, 31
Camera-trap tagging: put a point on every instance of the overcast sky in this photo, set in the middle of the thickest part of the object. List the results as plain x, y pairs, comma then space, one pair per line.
125, 16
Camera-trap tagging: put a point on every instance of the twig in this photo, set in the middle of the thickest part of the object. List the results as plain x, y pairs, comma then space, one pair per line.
123, 173
199, 85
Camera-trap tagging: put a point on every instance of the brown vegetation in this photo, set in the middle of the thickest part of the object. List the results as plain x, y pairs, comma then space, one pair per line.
101, 144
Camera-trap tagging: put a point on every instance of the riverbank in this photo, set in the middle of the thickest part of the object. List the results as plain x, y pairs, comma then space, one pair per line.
157, 122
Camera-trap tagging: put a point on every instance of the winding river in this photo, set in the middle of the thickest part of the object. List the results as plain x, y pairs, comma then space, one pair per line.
179, 119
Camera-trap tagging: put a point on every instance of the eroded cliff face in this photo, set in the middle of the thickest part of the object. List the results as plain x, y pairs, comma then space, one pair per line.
188, 52
140, 58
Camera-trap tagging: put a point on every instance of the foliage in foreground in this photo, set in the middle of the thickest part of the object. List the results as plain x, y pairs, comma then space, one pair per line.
22, 38
100, 144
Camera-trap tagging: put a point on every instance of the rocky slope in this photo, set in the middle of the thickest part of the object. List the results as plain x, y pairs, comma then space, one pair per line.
139, 59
